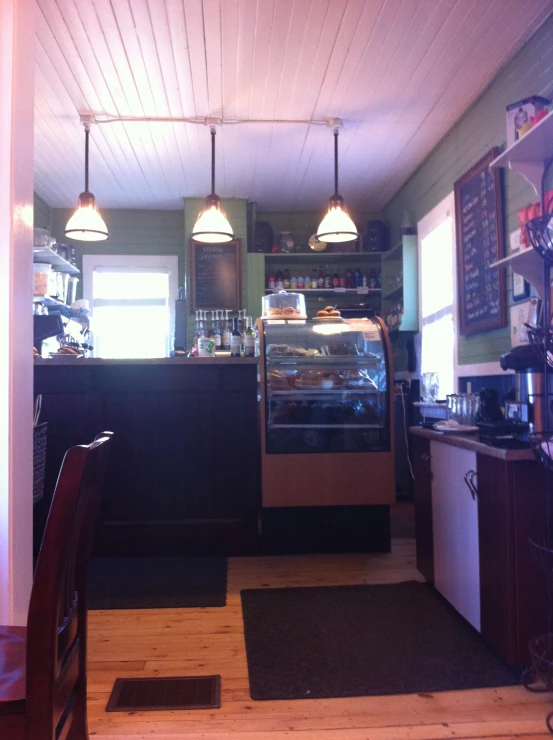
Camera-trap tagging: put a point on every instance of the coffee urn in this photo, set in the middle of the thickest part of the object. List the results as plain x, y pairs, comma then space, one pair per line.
529, 386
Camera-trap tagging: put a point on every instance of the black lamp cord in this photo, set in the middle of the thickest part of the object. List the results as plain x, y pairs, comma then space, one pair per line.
213, 132
86, 137
335, 161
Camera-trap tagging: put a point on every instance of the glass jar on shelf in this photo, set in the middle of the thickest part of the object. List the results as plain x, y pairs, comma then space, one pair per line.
287, 243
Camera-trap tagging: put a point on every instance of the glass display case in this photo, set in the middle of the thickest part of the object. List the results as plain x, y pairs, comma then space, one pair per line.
325, 386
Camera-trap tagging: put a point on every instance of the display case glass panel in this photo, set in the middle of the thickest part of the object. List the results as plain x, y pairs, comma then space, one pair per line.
326, 387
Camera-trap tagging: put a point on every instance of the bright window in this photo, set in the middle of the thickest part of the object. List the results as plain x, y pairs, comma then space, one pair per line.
437, 282
132, 302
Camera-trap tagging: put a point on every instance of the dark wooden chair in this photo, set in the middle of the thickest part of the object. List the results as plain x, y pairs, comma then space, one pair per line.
43, 665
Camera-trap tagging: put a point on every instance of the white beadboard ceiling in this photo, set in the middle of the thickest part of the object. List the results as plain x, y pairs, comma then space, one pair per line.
398, 72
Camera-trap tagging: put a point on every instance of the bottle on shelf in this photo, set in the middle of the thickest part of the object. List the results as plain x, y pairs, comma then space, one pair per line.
210, 325
321, 278
242, 327
350, 280
373, 281
287, 282
206, 346
271, 282
225, 337
336, 279
300, 283
249, 339
308, 282
342, 279
327, 279
358, 278
279, 280
293, 283
196, 334
217, 332
235, 339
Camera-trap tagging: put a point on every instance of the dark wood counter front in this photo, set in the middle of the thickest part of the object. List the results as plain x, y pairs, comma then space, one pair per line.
184, 475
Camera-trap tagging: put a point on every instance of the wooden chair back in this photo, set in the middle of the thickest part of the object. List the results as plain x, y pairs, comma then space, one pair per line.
57, 621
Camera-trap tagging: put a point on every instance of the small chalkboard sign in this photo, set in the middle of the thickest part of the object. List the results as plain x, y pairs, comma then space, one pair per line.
216, 275
479, 227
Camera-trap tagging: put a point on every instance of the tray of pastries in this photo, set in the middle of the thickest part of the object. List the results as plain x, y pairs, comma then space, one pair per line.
329, 313
284, 313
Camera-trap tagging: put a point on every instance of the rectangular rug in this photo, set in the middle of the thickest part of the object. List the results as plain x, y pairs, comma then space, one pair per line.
315, 643
157, 583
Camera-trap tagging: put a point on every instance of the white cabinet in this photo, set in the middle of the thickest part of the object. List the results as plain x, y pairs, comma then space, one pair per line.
455, 530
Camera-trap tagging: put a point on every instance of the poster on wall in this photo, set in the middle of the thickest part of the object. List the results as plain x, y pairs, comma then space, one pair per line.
480, 242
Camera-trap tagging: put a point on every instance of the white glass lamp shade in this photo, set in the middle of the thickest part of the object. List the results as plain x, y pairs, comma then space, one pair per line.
337, 226
86, 224
212, 225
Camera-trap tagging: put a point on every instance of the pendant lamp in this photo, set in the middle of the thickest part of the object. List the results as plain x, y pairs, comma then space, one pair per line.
337, 225
86, 224
212, 225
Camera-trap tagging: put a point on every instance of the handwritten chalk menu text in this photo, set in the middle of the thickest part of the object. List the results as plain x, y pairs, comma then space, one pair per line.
216, 275
479, 227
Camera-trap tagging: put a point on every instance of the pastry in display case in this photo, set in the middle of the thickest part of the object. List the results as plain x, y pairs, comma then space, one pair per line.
284, 305
326, 400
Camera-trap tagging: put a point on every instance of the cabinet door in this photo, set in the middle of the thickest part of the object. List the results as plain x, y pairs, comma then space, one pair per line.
530, 491
496, 544
420, 455
455, 530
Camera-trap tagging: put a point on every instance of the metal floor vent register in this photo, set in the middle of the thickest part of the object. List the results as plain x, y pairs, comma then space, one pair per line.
159, 694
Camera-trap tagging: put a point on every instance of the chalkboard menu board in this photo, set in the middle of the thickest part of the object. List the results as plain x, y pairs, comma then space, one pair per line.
479, 226
216, 275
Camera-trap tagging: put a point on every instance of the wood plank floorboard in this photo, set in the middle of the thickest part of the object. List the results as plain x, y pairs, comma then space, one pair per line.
175, 642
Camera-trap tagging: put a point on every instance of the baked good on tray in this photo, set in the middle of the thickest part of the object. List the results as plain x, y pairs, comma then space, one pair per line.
279, 381
328, 313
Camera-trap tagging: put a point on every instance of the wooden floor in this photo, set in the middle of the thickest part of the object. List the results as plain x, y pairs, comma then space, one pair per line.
175, 642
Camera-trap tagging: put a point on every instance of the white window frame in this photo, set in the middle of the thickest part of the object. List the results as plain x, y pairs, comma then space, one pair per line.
128, 262
432, 220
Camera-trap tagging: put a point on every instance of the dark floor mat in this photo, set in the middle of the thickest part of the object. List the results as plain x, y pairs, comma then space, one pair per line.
157, 583
362, 641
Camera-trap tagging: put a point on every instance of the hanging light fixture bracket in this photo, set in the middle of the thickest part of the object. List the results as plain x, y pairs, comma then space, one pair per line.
333, 123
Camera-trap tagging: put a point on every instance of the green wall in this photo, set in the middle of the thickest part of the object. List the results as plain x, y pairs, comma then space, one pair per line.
130, 232
42, 213
530, 72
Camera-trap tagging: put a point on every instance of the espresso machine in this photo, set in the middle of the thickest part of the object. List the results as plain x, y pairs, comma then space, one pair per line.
529, 404
47, 327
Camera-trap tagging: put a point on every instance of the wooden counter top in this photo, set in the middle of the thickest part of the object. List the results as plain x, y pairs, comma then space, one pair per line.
471, 442
188, 361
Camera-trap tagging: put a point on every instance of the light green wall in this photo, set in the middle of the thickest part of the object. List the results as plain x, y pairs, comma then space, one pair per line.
130, 232
42, 212
530, 72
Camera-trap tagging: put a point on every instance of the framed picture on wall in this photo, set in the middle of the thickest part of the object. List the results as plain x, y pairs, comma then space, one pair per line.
521, 289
